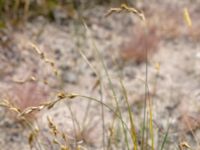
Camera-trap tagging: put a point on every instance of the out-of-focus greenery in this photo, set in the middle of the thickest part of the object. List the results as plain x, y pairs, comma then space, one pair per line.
18, 11
15, 11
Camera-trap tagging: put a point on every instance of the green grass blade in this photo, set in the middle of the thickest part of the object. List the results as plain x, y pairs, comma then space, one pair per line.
133, 130
151, 124
165, 138
110, 84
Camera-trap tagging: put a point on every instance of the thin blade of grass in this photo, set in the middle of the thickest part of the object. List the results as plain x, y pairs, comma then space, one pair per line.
99, 83
151, 124
187, 17
145, 100
165, 138
133, 130
110, 84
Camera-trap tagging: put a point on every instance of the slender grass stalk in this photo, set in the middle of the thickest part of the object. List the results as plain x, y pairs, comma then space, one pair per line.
113, 92
108, 107
102, 115
133, 130
145, 99
110, 84
101, 97
74, 123
151, 124
151, 109
165, 138
111, 134
98, 74
86, 113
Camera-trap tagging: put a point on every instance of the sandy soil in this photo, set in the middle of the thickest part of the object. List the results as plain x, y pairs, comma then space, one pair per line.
173, 77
